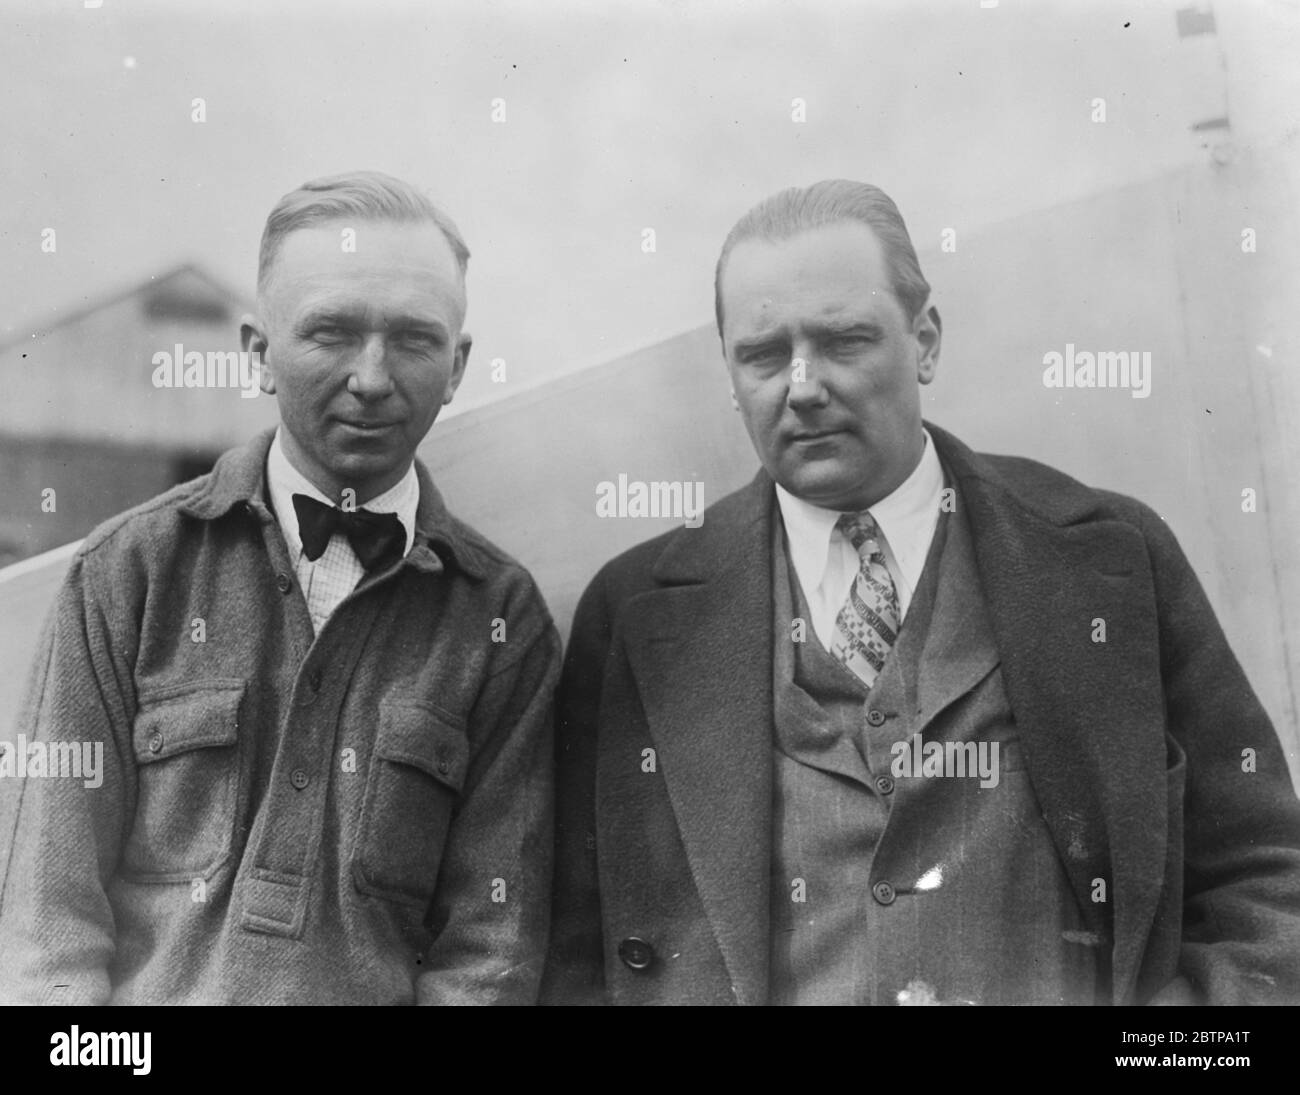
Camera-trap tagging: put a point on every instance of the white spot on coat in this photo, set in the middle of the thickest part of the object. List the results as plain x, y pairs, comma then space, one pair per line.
931, 880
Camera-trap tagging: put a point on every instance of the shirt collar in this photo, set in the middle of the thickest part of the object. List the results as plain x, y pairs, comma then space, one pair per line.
239, 481
906, 516
284, 481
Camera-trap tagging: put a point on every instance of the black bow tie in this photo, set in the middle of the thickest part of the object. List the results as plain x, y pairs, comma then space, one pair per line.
375, 537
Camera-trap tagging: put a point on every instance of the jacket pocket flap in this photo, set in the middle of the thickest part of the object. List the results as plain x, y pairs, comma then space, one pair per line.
195, 716
423, 738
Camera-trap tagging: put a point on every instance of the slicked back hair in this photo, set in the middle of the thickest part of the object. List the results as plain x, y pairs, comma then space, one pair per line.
356, 195
833, 201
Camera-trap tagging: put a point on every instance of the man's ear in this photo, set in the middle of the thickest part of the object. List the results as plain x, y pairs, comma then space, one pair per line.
735, 403
927, 329
458, 366
253, 340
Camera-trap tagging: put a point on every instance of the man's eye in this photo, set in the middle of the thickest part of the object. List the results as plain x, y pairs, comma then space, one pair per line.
328, 334
419, 339
848, 343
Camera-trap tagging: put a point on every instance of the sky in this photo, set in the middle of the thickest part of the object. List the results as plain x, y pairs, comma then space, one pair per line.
618, 116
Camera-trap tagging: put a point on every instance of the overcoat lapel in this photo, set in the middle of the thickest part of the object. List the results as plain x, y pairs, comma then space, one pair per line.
1054, 575
700, 649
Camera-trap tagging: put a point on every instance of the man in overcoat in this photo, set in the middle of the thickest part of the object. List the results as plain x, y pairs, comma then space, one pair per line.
902, 723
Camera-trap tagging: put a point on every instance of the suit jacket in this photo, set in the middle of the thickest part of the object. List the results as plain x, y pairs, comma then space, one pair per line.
1157, 770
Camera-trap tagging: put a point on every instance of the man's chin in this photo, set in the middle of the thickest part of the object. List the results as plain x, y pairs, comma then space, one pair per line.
363, 470
829, 487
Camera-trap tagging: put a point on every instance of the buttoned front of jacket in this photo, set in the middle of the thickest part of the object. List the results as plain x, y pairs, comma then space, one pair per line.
357, 816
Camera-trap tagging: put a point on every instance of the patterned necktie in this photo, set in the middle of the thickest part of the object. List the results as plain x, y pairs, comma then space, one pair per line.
375, 537
867, 626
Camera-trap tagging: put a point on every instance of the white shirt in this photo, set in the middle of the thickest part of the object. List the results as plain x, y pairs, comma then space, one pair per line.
335, 574
827, 564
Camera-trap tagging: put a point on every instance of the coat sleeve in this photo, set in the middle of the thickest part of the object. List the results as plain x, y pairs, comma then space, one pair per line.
491, 907
56, 923
1241, 836
575, 972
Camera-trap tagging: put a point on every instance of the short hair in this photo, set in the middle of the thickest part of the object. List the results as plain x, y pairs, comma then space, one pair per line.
361, 195
833, 201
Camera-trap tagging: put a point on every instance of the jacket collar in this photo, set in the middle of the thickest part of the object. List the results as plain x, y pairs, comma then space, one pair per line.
1060, 502
238, 480
703, 554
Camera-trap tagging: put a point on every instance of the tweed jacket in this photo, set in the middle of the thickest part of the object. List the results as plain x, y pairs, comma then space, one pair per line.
1155, 766
362, 815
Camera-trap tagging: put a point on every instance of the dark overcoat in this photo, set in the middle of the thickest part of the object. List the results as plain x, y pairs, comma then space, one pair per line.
1154, 764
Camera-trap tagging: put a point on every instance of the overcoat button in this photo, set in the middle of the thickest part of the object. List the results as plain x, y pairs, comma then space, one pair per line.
875, 717
283, 583
884, 893
636, 953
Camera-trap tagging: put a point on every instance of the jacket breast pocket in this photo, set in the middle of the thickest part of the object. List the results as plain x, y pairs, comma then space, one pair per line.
187, 771
416, 774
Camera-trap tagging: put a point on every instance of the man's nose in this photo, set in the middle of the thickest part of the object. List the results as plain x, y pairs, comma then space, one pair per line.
369, 377
805, 389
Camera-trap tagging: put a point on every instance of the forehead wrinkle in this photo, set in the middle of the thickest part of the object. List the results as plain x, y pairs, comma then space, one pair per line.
371, 319
355, 304
833, 316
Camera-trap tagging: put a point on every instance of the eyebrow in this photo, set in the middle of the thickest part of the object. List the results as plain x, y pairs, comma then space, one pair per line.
821, 329
848, 327
759, 342
355, 317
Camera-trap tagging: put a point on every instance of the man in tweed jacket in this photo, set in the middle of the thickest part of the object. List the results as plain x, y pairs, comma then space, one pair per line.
323, 702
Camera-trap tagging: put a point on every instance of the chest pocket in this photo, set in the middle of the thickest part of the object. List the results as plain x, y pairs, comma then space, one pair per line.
187, 771
416, 775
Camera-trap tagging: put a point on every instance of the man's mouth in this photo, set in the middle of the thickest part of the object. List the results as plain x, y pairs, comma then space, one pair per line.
813, 435
363, 426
